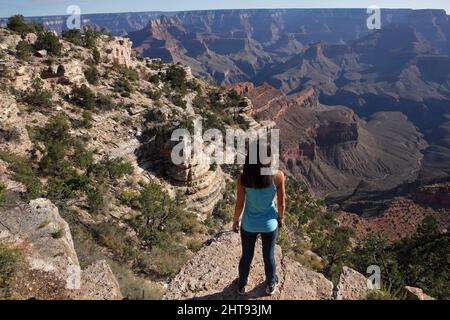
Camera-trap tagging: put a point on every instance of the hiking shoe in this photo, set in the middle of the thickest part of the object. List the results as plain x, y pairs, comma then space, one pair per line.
242, 291
271, 288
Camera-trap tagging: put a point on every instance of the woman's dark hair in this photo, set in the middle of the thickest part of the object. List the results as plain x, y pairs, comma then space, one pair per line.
252, 176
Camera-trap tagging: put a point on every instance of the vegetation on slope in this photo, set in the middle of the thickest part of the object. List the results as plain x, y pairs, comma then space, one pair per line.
154, 242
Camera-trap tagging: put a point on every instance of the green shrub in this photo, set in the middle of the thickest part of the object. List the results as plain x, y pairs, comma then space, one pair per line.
118, 167
11, 262
116, 239
194, 85
133, 287
195, 245
162, 220
334, 249
199, 102
50, 42
96, 199
129, 199
156, 65
84, 97
60, 155
62, 188
90, 37
38, 97
127, 72
424, 259
111, 169
54, 162
123, 86
2, 193
24, 173
154, 79
154, 95
74, 36
87, 40
92, 75
178, 100
18, 24
81, 157
420, 260
104, 102
223, 211
87, 119
23, 50
177, 77
162, 262
56, 129
96, 55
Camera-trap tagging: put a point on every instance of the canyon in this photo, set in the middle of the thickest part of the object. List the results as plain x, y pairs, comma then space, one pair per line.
85, 162
388, 133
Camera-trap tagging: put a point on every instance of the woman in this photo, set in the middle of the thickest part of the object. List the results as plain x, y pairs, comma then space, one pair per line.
256, 192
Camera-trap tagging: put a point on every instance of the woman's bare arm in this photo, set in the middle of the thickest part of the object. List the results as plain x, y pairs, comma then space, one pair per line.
280, 182
240, 201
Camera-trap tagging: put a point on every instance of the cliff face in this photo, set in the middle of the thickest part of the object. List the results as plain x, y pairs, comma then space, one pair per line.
325, 144
434, 195
404, 67
237, 45
51, 264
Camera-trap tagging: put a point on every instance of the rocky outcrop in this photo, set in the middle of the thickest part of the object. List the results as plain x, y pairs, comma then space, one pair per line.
413, 293
52, 270
351, 286
8, 40
117, 50
201, 184
212, 274
434, 195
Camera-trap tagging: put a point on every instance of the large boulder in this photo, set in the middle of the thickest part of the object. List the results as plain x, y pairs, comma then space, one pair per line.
51, 267
413, 293
352, 285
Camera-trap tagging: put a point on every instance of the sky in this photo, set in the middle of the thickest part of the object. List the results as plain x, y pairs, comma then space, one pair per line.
59, 7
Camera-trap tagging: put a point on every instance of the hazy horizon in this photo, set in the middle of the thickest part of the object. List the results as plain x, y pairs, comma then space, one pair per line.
40, 8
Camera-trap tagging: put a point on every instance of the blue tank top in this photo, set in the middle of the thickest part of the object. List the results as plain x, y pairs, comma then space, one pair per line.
260, 213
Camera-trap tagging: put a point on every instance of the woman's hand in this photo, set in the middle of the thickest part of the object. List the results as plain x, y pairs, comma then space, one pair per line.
236, 226
280, 222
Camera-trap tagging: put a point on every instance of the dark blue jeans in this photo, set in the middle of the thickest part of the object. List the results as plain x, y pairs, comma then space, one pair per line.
269, 240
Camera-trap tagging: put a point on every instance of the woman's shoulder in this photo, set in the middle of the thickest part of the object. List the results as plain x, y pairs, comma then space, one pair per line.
279, 177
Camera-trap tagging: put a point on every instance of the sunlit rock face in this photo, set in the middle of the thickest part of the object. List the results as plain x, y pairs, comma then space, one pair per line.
117, 50
201, 182
331, 148
50, 257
